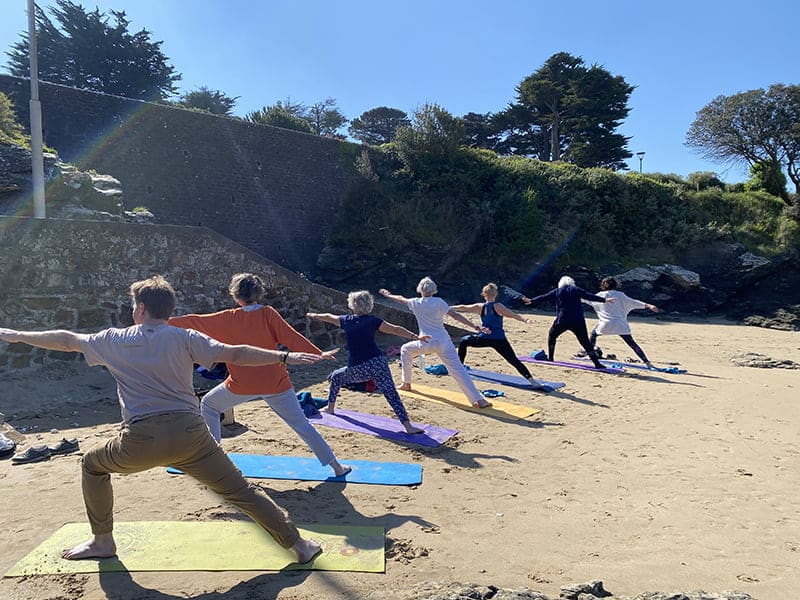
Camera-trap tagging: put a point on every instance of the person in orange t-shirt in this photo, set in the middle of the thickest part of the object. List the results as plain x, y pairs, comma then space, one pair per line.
258, 325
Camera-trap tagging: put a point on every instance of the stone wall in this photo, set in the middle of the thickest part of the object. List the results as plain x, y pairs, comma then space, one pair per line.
272, 190
65, 274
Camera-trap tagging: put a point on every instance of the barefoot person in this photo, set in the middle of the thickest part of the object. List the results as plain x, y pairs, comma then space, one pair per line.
430, 312
366, 359
492, 313
569, 315
257, 325
161, 425
613, 318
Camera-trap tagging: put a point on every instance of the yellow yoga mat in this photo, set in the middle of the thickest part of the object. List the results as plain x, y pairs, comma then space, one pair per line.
499, 409
207, 546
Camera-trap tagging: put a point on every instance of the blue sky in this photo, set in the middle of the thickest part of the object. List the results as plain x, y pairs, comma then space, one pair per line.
468, 55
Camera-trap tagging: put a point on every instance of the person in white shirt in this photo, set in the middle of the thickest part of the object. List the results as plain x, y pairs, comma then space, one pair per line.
430, 312
613, 316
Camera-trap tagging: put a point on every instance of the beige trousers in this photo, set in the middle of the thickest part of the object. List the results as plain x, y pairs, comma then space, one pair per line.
179, 440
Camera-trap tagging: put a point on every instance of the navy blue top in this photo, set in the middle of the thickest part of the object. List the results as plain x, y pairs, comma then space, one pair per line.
492, 320
360, 333
569, 308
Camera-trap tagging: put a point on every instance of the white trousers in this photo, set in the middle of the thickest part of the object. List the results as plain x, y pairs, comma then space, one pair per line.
446, 352
285, 405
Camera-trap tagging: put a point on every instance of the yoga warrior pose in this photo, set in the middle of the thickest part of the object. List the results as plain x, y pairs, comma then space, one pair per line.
569, 315
613, 318
430, 313
258, 325
161, 425
366, 361
492, 313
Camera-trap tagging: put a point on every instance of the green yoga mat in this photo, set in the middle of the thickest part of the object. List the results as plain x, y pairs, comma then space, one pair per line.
207, 546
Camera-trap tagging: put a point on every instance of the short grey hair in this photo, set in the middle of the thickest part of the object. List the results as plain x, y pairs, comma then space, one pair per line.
565, 281
360, 302
426, 287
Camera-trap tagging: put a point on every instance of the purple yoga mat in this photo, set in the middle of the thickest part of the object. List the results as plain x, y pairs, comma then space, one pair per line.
384, 427
569, 365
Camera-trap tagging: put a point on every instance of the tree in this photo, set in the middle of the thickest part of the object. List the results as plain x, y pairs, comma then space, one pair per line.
568, 111
434, 136
11, 132
758, 127
480, 131
379, 125
82, 50
284, 115
205, 99
767, 177
325, 118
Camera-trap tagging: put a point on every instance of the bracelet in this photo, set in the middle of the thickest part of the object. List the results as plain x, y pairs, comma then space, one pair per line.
284, 356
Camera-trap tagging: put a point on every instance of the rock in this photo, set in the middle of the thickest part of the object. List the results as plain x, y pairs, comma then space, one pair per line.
584, 591
761, 361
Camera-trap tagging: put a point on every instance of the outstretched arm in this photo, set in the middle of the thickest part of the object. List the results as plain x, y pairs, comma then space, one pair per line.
472, 308
401, 331
327, 317
251, 356
464, 321
506, 312
56, 339
393, 297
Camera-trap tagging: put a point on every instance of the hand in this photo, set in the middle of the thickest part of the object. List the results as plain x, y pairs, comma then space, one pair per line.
303, 358
611, 300
526, 300
7, 334
654, 308
329, 354
384, 292
423, 338
484, 330
528, 321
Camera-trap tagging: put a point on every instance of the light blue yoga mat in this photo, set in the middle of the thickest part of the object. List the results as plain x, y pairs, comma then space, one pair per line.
302, 468
618, 364
515, 380
570, 365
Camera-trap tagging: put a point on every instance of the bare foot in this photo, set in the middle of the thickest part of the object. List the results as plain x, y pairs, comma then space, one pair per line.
481, 404
406, 387
411, 429
306, 550
330, 409
100, 546
339, 469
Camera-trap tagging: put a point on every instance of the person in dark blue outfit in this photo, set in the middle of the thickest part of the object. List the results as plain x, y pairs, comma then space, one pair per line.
569, 315
492, 313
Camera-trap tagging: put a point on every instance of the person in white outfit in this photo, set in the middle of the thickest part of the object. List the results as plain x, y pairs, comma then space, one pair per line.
613, 316
430, 312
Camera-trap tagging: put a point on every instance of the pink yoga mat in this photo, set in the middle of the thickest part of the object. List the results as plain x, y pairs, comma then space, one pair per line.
384, 427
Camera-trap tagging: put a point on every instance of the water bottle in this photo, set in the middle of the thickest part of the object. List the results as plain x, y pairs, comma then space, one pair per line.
421, 361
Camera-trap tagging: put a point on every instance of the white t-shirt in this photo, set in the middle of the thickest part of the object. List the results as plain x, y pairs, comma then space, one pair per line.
152, 366
613, 316
430, 312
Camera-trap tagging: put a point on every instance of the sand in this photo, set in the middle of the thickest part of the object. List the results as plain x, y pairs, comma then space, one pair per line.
648, 481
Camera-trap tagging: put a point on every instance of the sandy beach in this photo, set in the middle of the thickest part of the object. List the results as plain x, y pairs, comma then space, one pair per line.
647, 481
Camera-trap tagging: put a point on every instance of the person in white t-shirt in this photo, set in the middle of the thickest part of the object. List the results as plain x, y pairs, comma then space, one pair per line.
613, 316
430, 312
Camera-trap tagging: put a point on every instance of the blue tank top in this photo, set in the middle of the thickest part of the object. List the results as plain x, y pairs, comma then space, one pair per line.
492, 320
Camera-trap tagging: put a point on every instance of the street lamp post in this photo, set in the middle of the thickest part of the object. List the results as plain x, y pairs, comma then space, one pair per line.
641, 156
37, 158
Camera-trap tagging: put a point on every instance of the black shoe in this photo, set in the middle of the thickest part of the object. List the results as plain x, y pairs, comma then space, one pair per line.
7, 446
32, 455
65, 446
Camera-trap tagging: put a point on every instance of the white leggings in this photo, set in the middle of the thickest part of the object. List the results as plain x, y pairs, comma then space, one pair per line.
285, 405
447, 353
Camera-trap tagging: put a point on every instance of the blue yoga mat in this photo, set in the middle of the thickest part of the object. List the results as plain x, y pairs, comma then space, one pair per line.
302, 468
618, 364
570, 365
515, 380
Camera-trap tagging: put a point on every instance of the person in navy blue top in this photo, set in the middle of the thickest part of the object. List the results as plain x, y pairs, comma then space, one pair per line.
569, 315
366, 360
492, 314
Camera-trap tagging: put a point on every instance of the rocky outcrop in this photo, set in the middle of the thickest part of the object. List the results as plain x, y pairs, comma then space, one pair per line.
16, 180
762, 361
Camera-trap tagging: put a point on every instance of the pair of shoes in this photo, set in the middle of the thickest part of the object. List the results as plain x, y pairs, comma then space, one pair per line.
65, 446
7, 446
32, 455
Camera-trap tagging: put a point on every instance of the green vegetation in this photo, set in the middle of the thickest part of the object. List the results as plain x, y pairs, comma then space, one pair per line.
468, 211
11, 131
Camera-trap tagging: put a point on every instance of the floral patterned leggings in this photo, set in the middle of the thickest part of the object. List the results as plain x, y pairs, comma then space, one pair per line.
376, 369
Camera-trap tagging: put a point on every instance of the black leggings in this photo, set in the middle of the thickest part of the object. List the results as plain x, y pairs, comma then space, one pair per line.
579, 329
628, 339
502, 347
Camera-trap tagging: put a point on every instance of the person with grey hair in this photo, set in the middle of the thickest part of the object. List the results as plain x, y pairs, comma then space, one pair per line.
430, 312
254, 323
569, 315
366, 360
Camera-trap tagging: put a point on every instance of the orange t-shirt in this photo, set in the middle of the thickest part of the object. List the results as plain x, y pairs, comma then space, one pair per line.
262, 327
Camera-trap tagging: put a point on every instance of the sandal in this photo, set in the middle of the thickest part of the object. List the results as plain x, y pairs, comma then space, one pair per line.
32, 455
65, 446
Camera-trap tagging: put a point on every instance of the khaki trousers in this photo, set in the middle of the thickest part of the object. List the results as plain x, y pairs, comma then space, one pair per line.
179, 440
